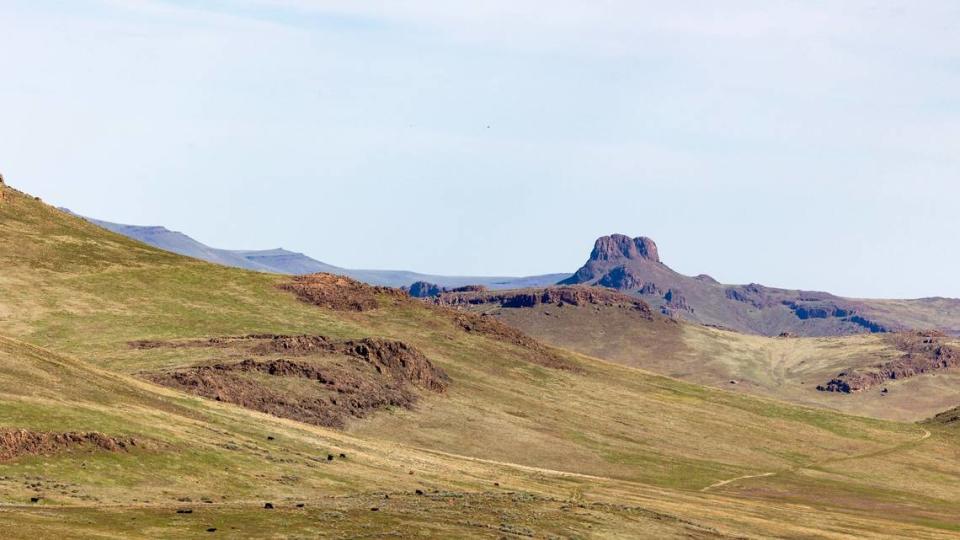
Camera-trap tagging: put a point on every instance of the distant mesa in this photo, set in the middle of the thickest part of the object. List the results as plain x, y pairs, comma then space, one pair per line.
633, 266
619, 246
615, 255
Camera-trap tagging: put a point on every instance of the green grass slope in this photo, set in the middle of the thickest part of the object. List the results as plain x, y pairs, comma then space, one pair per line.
607, 450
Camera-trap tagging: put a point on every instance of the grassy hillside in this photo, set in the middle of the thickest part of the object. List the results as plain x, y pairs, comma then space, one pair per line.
601, 449
788, 369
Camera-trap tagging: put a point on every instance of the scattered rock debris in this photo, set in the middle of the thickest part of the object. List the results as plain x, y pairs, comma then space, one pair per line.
15, 443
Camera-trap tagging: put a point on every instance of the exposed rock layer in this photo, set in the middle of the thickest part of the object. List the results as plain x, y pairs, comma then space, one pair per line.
924, 352
528, 298
382, 374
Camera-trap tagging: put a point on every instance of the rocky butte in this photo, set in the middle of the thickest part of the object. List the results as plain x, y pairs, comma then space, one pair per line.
633, 266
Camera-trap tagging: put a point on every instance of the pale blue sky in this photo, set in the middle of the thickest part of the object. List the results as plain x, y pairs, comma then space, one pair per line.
807, 144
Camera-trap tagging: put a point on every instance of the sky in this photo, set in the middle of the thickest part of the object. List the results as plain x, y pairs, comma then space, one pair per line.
809, 144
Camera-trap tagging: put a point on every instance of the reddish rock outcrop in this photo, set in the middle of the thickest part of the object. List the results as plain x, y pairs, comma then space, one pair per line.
16, 443
339, 293
528, 298
396, 358
924, 352
382, 376
617, 246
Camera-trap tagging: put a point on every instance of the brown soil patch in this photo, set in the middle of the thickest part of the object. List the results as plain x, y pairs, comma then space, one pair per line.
923, 352
16, 443
351, 379
340, 293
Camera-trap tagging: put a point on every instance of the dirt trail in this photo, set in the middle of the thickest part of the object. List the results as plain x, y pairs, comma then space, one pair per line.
737, 479
882, 452
527, 468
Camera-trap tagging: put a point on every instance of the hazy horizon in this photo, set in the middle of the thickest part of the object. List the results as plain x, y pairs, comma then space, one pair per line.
788, 144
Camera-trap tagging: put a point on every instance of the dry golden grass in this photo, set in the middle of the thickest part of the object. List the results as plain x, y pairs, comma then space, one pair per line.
611, 451
787, 369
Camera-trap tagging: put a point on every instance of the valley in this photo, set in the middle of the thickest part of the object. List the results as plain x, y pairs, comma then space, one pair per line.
482, 429
622, 329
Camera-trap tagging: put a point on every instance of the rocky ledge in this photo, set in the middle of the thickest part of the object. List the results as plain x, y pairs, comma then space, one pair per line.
923, 352
528, 298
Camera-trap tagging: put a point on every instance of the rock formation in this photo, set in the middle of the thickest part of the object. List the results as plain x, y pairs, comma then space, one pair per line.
633, 265
923, 352
614, 248
622, 279
424, 289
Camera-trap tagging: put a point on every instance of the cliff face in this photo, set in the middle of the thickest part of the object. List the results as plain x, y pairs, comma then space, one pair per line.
565, 295
612, 261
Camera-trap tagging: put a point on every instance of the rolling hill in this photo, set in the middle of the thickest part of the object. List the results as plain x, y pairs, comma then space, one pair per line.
629, 265
282, 261
520, 439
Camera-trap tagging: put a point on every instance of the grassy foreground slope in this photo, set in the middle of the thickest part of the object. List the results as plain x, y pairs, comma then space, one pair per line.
601, 450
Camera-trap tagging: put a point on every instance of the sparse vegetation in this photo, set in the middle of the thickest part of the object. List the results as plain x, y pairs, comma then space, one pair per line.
511, 447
